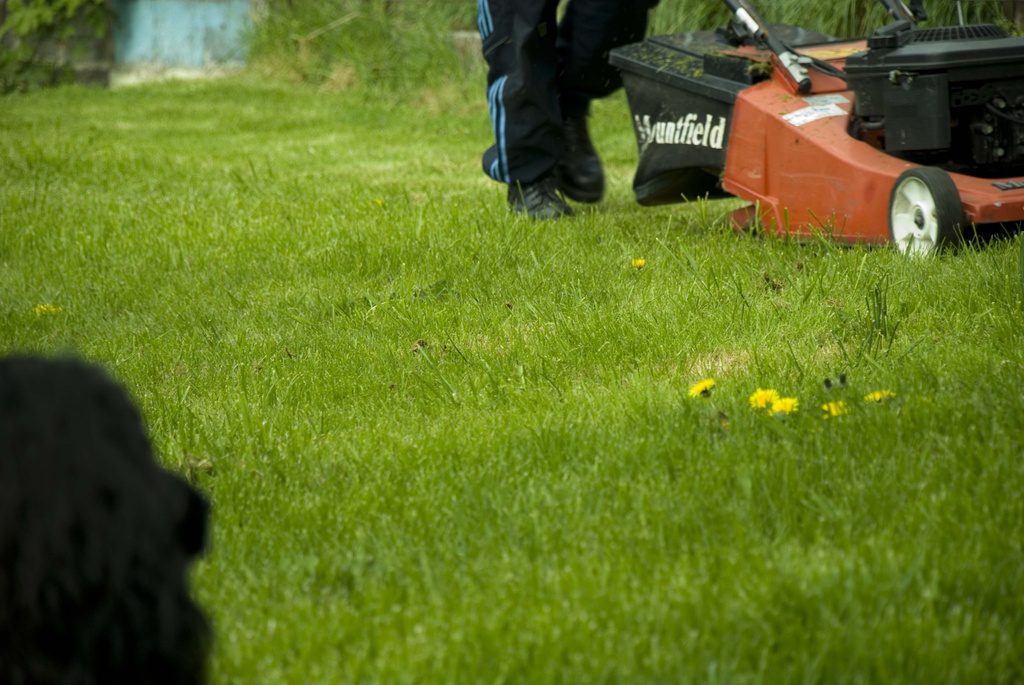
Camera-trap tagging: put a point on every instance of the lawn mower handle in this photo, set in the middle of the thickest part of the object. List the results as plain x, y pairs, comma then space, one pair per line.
758, 27
897, 10
755, 24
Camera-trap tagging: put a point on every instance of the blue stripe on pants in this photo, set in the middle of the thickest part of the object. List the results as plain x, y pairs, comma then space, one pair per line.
496, 104
484, 22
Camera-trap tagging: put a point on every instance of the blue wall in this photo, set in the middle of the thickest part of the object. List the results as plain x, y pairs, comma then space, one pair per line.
180, 33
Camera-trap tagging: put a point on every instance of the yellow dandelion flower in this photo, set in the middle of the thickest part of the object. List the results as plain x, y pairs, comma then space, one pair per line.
46, 308
639, 263
879, 395
379, 201
762, 399
786, 405
703, 388
834, 409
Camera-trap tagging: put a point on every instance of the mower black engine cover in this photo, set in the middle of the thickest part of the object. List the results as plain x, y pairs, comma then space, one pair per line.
958, 89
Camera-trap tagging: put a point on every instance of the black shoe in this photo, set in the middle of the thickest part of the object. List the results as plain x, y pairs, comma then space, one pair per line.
579, 171
538, 200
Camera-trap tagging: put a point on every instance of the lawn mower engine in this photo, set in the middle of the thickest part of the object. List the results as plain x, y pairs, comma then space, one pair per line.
951, 97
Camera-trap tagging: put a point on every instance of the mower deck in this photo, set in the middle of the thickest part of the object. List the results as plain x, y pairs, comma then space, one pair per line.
793, 157
712, 119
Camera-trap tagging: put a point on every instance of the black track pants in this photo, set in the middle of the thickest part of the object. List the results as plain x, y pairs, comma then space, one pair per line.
540, 70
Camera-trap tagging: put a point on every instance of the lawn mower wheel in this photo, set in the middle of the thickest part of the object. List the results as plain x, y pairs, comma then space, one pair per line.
924, 211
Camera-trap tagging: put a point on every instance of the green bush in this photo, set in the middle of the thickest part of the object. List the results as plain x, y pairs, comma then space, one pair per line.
843, 18
384, 45
37, 38
402, 44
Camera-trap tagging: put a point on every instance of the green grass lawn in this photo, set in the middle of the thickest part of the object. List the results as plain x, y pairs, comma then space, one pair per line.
444, 444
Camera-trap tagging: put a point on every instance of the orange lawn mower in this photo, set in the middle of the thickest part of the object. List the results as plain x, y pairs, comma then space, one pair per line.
913, 135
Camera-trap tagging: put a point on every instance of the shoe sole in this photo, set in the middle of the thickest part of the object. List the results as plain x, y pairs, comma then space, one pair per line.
576, 193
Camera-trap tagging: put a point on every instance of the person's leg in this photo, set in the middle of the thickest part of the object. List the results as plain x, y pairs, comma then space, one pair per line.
522, 95
589, 30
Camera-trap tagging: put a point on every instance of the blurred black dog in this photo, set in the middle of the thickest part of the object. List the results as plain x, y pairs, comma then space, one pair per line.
95, 537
